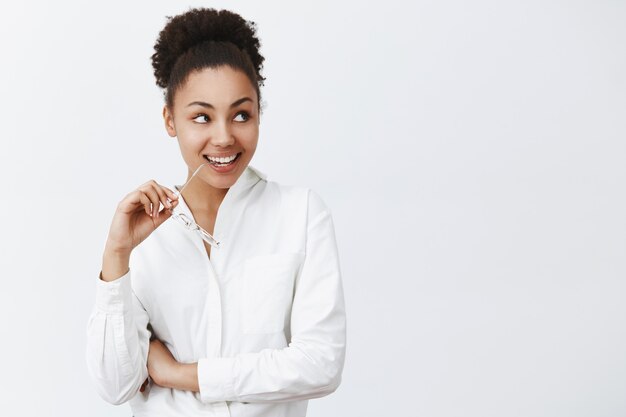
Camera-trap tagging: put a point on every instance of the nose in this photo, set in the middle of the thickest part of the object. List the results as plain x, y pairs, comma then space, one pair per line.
222, 135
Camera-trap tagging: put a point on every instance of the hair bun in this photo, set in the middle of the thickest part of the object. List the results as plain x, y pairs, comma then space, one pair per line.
184, 31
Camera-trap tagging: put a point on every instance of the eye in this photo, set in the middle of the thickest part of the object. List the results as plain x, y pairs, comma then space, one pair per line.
202, 115
245, 114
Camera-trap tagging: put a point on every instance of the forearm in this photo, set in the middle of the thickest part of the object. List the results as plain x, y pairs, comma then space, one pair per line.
114, 263
311, 366
167, 372
184, 377
293, 373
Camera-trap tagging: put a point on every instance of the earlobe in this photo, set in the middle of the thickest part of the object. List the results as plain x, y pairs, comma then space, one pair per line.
169, 122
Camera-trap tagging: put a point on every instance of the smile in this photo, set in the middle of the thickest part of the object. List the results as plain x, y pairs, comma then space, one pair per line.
222, 161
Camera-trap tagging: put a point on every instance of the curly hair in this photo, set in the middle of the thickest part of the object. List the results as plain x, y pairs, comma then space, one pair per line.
205, 38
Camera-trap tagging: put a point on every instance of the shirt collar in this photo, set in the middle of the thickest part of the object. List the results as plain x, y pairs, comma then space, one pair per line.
247, 179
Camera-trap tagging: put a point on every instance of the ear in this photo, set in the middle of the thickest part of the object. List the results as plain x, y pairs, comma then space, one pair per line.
168, 118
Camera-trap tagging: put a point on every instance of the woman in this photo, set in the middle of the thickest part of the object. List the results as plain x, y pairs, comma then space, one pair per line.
247, 317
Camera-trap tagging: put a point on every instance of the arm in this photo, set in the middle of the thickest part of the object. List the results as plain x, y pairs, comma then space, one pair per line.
117, 330
117, 341
312, 364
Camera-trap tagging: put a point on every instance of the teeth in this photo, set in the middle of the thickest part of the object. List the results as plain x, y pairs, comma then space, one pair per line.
222, 160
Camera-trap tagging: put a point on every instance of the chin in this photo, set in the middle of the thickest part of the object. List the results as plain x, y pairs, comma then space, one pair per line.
225, 180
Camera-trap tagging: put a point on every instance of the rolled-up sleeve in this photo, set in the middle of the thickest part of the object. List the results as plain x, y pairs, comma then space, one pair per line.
118, 340
311, 365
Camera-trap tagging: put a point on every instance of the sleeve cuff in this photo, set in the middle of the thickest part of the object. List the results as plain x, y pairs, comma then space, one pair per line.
216, 379
114, 296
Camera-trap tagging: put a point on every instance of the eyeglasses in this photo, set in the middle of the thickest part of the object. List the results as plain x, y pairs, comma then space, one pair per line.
188, 222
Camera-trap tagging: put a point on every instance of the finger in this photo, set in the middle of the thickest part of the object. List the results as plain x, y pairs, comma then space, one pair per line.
171, 207
170, 194
149, 188
169, 199
151, 192
132, 200
163, 215
145, 200
162, 198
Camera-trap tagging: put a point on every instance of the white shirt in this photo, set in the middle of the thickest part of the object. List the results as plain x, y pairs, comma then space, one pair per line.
264, 317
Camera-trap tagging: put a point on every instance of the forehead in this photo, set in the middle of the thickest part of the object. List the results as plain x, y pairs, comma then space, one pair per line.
219, 86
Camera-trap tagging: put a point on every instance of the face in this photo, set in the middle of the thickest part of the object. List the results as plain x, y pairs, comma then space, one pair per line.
215, 115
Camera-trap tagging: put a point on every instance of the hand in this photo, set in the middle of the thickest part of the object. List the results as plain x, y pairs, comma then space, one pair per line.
138, 215
161, 364
165, 371
144, 385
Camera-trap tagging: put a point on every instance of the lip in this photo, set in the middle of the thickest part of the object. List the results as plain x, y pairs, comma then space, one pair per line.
226, 155
225, 169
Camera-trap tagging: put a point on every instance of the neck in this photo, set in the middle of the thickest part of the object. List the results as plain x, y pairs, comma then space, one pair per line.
202, 197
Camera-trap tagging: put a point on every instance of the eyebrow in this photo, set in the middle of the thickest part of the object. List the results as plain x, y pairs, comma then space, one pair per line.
210, 106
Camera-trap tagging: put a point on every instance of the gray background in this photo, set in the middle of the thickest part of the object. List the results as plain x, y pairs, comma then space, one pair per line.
472, 154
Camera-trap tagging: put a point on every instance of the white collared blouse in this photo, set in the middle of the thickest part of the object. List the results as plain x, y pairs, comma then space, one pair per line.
264, 317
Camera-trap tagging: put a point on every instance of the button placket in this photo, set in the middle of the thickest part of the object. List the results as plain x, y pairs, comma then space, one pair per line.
214, 331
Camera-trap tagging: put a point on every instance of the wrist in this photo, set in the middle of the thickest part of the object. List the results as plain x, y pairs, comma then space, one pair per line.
115, 264
184, 376
113, 250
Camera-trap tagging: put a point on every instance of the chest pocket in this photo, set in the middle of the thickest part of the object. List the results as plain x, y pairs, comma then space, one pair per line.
268, 282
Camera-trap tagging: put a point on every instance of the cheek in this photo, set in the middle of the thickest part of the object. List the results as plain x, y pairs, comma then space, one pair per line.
192, 135
250, 142
191, 143
249, 133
